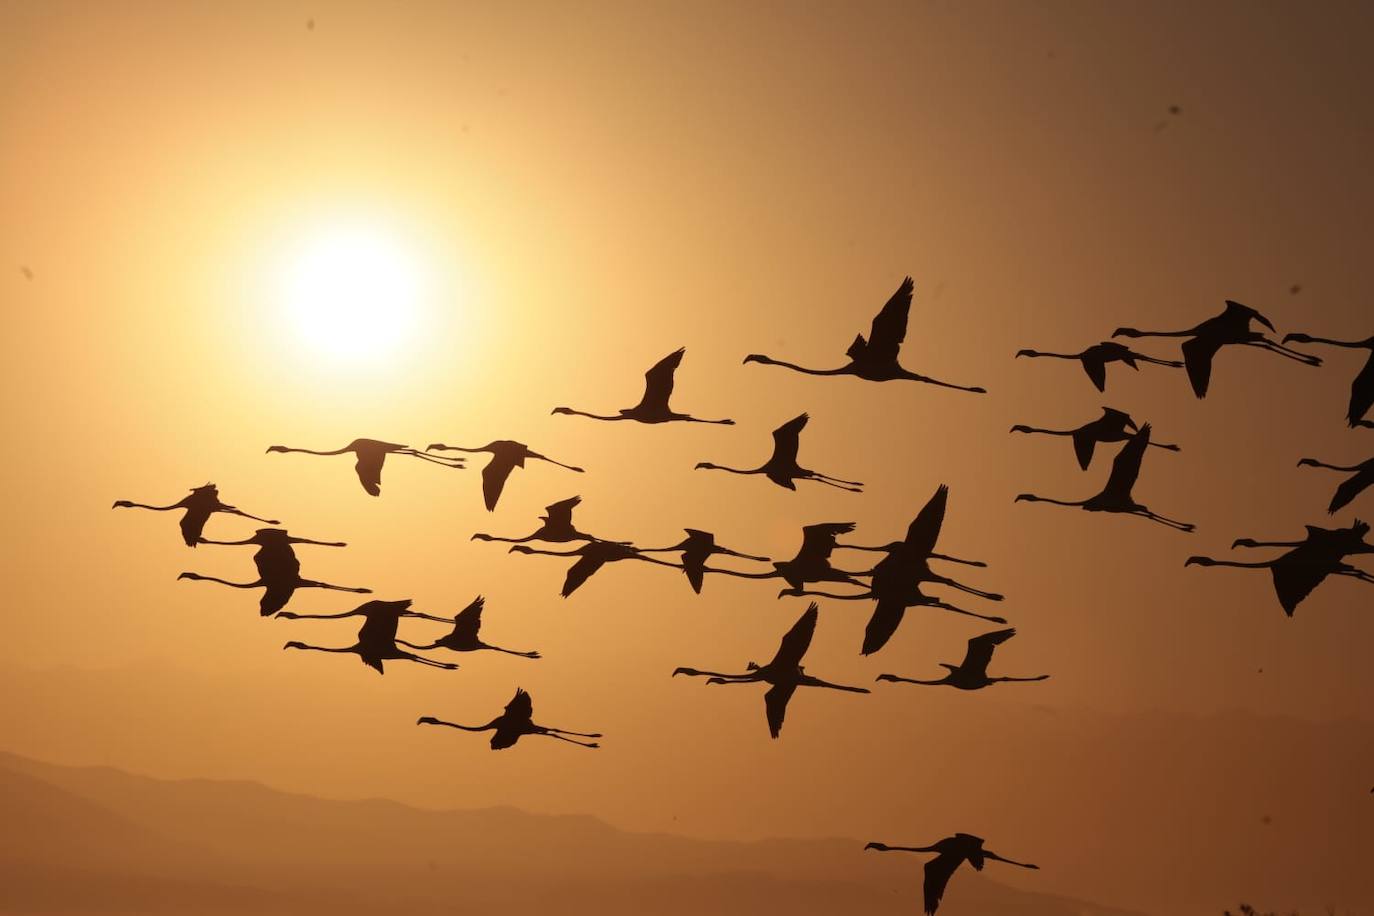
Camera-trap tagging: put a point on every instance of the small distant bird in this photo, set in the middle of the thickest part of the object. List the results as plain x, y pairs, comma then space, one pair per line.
377, 637
875, 359
972, 672
1293, 291
785, 672
1362, 388
698, 547
371, 454
653, 407
202, 503
591, 557
951, 853
463, 637
1353, 486
558, 526
1231, 327
506, 456
782, 468
514, 723
1116, 495
1095, 359
279, 572
1113, 426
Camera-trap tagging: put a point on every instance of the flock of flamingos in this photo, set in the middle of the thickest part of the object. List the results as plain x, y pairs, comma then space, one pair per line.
893, 583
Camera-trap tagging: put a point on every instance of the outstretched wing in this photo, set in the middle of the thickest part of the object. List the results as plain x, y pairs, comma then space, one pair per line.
494, 476
520, 706
798, 639
379, 629
980, 649
887, 616
560, 513
1126, 465
369, 468
818, 541
1352, 487
1298, 572
1095, 364
775, 705
787, 439
1197, 359
924, 530
581, 571
1084, 444
1362, 393
658, 381
938, 871
469, 620
889, 326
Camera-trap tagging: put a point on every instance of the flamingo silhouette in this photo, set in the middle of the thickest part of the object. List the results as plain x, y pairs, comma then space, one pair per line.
782, 468
698, 547
1113, 426
812, 562
875, 359
506, 456
1230, 328
514, 723
972, 672
1116, 495
558, 526
951, 853
463, 637
785, 672
202, 503
592, 556
1352, 486
653, 407
1095, 359
377, 637
279, 572
1362, 388
371, 454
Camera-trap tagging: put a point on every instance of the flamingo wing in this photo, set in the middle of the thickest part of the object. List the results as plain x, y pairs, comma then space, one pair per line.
889, 325
787, 439
192, 525
1126, 465
818, 541
1197, 359
797, 640
887, 616
520, 707
1362, 392
469, 620
980, 649
369, 468
775, 705
559, 514
581, 571
1084, 444
1297, 573
494, 476
658, 382
924, 530
1353, 486
938, 871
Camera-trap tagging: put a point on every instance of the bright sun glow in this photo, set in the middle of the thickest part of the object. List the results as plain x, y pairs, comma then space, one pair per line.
352, 292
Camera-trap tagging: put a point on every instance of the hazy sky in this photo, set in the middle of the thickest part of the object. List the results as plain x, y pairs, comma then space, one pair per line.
587, 188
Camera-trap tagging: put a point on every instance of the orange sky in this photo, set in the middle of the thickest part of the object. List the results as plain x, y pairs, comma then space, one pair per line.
593, 188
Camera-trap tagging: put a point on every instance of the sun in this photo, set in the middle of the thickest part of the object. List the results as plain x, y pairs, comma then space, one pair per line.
354, 292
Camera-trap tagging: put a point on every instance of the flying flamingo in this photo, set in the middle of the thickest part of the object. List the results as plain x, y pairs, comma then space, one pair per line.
1095, 359
875, 359
972, 672
785, 672
463, 637
782, 467
1113, 426
1231, 327
653, 407
1352, 487
1116, 495
371, 454
279, 572
592, 556
1362, 388
812, 562
377, 637
951, 853
514, 723
506, 456
200, 505
697, 548
558, 526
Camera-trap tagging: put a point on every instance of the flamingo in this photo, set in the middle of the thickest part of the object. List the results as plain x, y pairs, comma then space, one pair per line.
785, 672
1231, 327
951, 853
506, 456
1113, 426
1298, 571
371, 454
558, 526
279, 572
1116, 495
377, 637
812, 562
972, 672
1362, 388
463, 637
698, 547
200, 505
1352, 487
592, 556
875, 359
1096, 358
653, 407
515, 722
782, 467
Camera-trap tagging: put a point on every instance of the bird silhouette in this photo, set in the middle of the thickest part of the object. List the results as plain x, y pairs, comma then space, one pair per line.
653, 407
1116, 495
972, 672
1230, 328
377, 637
1297, 572
506, 456
202, 503
782, 468
1353, 486
951, 852
698, 547
1362, 388
371, 454
785, 672
591, 556
279, 572
812, 562
558, 526
1095, 359
515, 722
876, 358
463, 637
1113, 426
